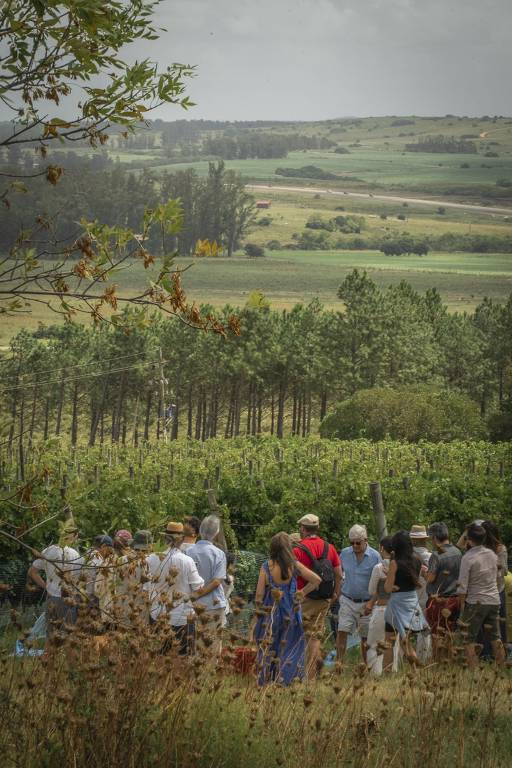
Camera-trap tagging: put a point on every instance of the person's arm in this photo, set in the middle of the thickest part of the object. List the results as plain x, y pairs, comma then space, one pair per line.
260, 588
502, 562
195, 581
311, 578
433, 568
462, 588
337, 584
213, 584
34, 575
389, 584
372, 588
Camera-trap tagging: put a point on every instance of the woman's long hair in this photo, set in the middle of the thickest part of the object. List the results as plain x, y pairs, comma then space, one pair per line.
282, 554
403, 551
492, 536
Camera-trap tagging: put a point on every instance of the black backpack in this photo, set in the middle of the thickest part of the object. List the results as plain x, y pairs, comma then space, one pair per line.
323, 568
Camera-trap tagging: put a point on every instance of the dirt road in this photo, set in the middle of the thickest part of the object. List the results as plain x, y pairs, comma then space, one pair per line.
387, 198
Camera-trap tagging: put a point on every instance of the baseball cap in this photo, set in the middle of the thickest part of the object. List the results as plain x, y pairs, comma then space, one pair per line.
312, 520
124, 535
142, 540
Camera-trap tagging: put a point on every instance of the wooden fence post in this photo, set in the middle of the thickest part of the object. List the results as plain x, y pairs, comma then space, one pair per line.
378, 509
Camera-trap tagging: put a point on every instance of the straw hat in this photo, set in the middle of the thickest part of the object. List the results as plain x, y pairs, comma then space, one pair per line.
418, 532
174, 528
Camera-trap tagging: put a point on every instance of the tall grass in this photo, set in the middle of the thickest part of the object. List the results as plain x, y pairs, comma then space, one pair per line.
121, 703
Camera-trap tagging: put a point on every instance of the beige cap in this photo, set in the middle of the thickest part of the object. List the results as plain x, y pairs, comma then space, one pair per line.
418, 532
311, 520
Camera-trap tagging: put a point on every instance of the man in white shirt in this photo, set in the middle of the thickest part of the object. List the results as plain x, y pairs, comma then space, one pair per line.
61, 565
172, 583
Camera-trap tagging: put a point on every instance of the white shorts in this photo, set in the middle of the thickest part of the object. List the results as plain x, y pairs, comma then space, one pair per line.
377, 626
351, 617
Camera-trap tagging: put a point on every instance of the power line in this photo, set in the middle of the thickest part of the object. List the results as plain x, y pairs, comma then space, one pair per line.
70, 367
79, 378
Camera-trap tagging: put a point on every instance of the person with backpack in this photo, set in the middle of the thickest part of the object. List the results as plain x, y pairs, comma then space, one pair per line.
321, 558
358, 561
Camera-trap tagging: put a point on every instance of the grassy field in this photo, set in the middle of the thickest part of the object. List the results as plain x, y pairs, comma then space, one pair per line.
377, 159
288, 277
371, 166
289, 214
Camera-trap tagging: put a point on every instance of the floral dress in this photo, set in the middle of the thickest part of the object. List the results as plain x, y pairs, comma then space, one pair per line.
279, 633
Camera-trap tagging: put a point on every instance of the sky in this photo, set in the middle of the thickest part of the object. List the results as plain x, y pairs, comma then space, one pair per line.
318, 59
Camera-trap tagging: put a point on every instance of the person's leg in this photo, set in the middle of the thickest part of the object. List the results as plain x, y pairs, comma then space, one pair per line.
363, 625
471, 656
409, 650
492, 630
314, 613
387, 664
341, 645
471, 623
347, 624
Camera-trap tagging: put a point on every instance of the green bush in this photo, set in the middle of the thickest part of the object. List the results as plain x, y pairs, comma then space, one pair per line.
254, 251
407, 413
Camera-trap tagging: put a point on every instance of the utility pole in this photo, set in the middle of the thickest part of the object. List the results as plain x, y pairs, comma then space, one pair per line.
163, 396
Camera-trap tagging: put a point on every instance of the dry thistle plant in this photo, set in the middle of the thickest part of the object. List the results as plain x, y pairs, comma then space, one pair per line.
114, 690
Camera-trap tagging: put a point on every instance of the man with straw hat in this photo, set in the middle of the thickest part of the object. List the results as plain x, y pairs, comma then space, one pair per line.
171, 586
419, 538
61, 564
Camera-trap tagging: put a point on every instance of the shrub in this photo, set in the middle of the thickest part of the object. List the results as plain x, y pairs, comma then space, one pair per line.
306, 172
317, 222
401, 217
311, 240
442, 144
253, 250
342, 151
349, 224
408, 413
265, 221
274, 245
398, 246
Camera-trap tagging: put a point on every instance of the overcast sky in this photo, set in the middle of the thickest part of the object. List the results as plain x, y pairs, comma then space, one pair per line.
315, 59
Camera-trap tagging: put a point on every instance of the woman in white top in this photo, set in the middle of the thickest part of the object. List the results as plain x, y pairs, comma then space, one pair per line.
61, 564
376, 606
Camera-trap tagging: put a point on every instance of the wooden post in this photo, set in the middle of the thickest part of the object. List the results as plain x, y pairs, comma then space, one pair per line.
378, 509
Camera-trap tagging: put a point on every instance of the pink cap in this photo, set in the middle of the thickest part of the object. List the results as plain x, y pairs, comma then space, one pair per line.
124, 535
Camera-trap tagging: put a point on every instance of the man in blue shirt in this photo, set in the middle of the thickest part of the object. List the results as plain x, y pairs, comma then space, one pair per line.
357, 562
211, 602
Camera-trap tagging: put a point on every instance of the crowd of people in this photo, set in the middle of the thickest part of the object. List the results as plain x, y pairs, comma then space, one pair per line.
417, 597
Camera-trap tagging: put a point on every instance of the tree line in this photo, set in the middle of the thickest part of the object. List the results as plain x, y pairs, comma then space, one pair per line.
284, 373
215, 207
